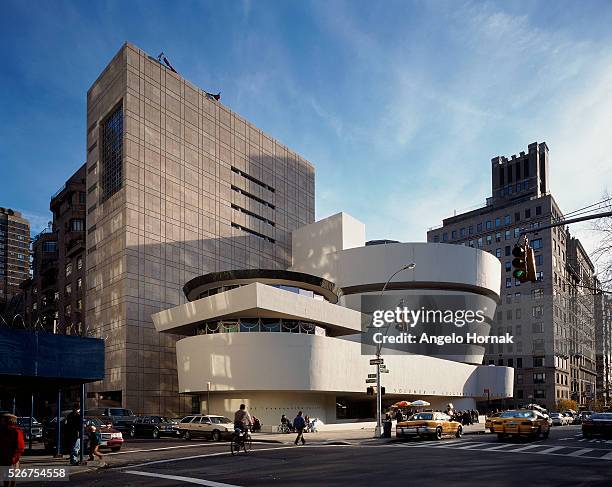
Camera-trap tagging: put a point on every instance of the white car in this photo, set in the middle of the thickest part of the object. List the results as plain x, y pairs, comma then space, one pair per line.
558, 419
209, 426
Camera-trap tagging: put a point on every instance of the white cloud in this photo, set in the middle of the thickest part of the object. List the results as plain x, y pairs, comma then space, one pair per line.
38, 222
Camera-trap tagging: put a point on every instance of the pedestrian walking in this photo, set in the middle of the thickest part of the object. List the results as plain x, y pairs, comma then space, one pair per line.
94, 443
11, 444
299, 424
73, 433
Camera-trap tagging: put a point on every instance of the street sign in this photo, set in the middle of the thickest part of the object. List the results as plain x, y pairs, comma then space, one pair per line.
382, 366
376, 361
384, 371
371, 376
370, 381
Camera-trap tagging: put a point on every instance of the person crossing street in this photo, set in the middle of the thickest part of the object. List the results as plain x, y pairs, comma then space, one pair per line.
299, 424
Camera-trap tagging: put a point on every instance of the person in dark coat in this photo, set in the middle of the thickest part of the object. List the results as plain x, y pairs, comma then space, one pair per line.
73, 433
299, 424
399, 416
12, 444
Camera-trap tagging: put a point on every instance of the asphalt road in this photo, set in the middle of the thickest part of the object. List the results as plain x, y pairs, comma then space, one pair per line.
563, 459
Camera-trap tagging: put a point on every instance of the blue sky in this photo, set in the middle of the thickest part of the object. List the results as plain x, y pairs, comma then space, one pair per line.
400, 105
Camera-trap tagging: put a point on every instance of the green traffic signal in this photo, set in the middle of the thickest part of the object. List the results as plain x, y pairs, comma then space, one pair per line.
519, 263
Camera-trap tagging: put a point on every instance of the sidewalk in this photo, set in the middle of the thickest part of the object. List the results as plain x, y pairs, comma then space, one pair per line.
352, 436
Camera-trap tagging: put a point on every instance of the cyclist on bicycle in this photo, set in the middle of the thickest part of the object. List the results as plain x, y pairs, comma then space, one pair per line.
242, 419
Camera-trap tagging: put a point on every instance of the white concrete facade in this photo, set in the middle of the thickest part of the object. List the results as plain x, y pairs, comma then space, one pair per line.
278, 373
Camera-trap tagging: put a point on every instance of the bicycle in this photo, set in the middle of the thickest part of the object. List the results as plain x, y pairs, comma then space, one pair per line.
240, 440
284, 428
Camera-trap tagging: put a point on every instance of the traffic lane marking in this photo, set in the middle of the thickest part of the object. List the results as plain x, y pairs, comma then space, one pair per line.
180, 478
226, 453
525, 450
124, 452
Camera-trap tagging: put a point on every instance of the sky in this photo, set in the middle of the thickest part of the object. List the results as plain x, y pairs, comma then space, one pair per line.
399, 105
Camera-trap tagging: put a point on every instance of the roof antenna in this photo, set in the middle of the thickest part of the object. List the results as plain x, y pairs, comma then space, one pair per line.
210, 96
163, 58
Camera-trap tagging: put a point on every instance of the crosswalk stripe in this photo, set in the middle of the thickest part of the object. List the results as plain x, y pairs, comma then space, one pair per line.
580, 452
528, 447
499, 447
607, 456
549, 450
467, 447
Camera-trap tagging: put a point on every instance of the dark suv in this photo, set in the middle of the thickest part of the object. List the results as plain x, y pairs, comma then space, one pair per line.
153, 427
122, 418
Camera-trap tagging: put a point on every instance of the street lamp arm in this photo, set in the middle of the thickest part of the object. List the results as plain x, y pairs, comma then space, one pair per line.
406, 267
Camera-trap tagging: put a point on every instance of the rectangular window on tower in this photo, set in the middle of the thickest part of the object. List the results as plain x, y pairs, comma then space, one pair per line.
111, 153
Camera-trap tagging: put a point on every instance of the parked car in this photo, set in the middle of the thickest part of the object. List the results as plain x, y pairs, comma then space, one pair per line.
430, 424
521, 422
597, 424
121, 418
111, 438
153, 427
207, 426
37, 429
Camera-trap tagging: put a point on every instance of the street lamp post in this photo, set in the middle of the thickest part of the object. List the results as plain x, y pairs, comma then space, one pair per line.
378, 430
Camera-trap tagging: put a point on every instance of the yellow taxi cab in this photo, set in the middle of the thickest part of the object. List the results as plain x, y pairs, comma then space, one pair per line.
520, 422
489, 421
429, 424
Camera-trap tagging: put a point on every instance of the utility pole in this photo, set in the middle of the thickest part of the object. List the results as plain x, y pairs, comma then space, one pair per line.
378, 361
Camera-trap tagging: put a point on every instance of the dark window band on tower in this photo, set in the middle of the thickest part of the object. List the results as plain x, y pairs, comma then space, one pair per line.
251, 178
253, 197
111, 156
254, 215
253, 232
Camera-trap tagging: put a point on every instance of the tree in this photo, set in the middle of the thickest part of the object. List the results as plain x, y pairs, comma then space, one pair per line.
565, 404
602, 256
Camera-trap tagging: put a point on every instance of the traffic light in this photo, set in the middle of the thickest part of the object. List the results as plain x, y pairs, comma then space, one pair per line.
531, 265
524, 263
519, 263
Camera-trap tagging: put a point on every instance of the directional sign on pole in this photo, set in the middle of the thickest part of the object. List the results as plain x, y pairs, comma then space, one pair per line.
376, 361
370, 381
382, 367
384, 371
371, 376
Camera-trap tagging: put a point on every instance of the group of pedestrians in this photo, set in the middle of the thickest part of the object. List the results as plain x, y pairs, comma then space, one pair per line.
72, 434
466, 417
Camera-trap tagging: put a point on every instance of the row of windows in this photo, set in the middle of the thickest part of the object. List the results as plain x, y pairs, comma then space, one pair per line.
252, 196
253, 232
487, 225
537, 361
254, 215
511, 189
539, 278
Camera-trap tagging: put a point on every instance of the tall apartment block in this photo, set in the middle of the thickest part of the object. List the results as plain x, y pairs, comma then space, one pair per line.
603, 343
14, 253
55, 295
178, 186
552, 320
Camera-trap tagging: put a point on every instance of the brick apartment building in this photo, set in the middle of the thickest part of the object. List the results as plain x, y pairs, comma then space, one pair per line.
553, 319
